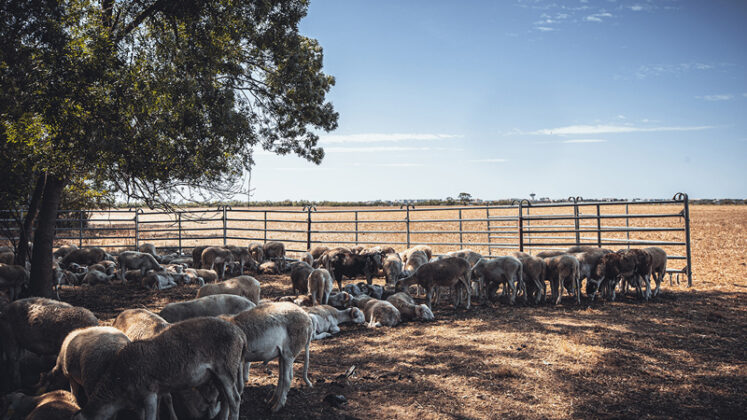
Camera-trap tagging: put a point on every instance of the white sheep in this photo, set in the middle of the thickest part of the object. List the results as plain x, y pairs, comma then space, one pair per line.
320, 286
449, 272
216, 256
491, 273
246, 286
212, 305
327, 318
134, 260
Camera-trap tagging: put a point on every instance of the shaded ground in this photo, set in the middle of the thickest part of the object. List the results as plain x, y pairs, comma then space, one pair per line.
682, 355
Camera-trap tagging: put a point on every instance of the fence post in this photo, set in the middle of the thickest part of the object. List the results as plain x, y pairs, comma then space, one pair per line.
461, 240
686, 214
487, 217
356, 227
627, 228
265, 228
521, 227
575, 201
137, 228
407, 220
225, 223
599, 227
179, 225
80, 231
308, 210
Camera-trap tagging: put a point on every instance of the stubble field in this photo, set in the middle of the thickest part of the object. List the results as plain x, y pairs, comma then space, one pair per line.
681, 355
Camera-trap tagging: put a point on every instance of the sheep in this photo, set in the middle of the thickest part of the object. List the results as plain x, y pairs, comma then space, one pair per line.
561, 269
307, 258
302, 300
83, 358
469, 255
491, 273
275, 251
197, 256
340, 300
299, 277
13, 278
106, 266
381, 313
357, 249
361, 300
212, 305
93, 277
257, 252
320, 286
246, 286
243, 256
642, 272
210, 276
392, 268
326, 319
84, 256
148, 249
428, 251
62, 251
276, 330
8, 257
447, 272
658, 265
550, 253
345, 263
188, 354
353, 289
51, 405
216, 255
269, 267
317, 251
588, 261
373, 290
408, 309
135, 260
388, 250
414, 260
40, 326
157, 281
138, 324
533, 275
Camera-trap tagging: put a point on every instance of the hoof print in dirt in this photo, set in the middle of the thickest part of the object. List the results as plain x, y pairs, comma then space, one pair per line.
335, 400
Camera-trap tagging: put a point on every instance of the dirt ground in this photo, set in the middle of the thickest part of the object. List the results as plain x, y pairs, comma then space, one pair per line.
682, 355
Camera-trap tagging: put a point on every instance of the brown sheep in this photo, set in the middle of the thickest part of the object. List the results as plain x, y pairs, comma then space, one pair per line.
84, 256
425, 248
215, 255
275, 251
447, 272
318, 251
561, 269
533, 269
658, 265
299, 277
246, 286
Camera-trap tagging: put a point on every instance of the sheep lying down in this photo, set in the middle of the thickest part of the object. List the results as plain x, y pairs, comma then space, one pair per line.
327, 318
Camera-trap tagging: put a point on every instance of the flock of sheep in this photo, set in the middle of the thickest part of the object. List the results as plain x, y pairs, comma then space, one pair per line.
192, 360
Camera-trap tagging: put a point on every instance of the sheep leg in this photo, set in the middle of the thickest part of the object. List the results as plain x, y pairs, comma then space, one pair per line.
229, 392
554, 287
429, 296
282, 377
150, 406
306, 363
166, 399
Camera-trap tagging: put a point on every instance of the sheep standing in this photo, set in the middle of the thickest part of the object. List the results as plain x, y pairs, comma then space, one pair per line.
197, 256
299, 277
134, 260
84, 356
246, 286
414, 260
215, 255
138, 324
588, 261
326, 319
408, 309
187, 354
40, 326
212, 305
561, 269
392, 268
320, 286
533, 274
428, 251
276, 330
13, 278
317, 251
243, 256
275, 251
345, 263
491, 273
148, 249
658, 265
449, 272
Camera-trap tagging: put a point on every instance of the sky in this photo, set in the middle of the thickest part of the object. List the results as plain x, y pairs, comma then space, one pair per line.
500, 99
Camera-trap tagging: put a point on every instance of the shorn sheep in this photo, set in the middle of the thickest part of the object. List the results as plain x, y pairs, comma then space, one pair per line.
40, 326
299, 277
320, 286
133, 260
449, 272
275, 251
326, 319
212, 305
138, 324
187, 354
491, 273
408, 309
533, 271
381, 313
392, 267
276, 330
658, 265
246, 286
563, 269
216, 256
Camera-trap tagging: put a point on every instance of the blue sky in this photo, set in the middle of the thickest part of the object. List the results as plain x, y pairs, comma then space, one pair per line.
595, 98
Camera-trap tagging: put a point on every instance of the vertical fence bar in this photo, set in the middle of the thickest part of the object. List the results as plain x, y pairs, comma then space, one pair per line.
576, 220
356, 227
521, 227
137, 228
225, 224
599, 226
179, 227
686, 213
265, 229
487, 217
529, 225
308, 225
80, 231
627, 226
407, 220
461, 239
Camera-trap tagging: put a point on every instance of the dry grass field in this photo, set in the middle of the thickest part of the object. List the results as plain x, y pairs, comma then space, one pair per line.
682, 355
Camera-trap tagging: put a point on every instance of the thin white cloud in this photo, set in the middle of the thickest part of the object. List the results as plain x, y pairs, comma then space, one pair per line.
383, 137
657, 70
545, 28
491, 160
575, 130
636, 7
598, 17
400, 165
585, 141
719, 97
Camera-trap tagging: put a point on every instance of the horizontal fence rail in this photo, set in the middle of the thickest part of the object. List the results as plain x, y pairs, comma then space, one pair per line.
491, 230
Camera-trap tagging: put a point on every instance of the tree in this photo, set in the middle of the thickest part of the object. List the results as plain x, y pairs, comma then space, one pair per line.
464, 197
147, 98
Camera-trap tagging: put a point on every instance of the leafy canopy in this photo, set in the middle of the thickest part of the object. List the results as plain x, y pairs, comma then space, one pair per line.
145, 97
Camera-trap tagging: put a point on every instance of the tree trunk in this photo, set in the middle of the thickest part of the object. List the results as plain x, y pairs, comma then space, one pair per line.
41, 267
22, 251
